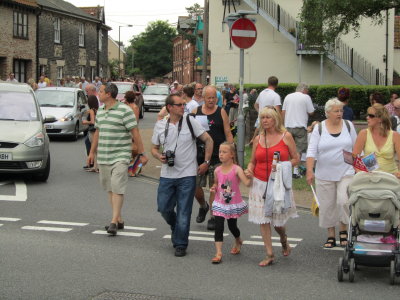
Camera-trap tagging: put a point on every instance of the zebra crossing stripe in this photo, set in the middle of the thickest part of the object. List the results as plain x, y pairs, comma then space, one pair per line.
10, 219
121, 233
62, 223
205, 233
262, 243
42, 228
1, 225
277, 238
140, 228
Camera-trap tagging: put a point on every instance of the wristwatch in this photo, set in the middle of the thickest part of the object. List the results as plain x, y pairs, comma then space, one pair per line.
207, 162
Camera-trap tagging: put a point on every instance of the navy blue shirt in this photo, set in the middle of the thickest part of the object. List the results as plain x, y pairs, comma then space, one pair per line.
348, 113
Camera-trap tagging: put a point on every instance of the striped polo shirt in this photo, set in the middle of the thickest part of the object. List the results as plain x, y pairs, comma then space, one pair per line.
115, 140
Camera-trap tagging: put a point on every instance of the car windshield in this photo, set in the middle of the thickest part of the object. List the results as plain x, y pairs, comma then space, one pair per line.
54, 98
16, 106
123, 88
156, 90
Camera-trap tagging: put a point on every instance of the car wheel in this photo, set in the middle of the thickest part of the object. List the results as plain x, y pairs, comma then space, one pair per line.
43, 176
76, 132
141, 113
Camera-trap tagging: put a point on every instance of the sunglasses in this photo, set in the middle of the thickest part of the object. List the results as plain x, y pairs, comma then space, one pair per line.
397, 108
371, 116
178, 104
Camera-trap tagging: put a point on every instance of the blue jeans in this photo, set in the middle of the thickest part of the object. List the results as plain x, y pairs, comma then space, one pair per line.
177, 192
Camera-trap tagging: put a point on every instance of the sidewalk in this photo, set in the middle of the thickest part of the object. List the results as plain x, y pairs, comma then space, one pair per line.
152, 169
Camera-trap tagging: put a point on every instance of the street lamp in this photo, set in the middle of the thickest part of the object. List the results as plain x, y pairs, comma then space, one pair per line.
119, 47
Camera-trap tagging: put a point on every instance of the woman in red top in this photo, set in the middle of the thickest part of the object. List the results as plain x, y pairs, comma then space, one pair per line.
273, 137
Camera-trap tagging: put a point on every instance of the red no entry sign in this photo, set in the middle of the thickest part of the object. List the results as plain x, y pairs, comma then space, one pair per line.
243, 33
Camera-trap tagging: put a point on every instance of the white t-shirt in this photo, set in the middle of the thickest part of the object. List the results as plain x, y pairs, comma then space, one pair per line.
42, 84
185, 153
192, 104
268, 97
297, 106
328, 150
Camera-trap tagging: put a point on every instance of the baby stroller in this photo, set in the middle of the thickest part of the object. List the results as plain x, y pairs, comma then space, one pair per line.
374, 199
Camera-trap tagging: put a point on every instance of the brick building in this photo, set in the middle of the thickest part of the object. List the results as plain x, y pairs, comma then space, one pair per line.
72, 42
18, 19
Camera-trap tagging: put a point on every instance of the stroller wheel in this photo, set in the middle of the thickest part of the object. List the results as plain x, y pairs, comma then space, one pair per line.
340, 270
352, 269
392, 272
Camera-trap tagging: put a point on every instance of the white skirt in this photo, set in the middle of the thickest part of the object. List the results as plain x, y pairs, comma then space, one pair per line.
257, 209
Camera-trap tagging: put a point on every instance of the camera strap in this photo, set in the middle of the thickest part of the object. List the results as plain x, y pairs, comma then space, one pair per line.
167, 129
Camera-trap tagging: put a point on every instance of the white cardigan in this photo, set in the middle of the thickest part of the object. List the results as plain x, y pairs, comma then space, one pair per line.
328, 151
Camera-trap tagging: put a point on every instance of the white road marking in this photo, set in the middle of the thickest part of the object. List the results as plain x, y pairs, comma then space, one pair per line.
276, 238
1, 225
140, 228
205, 233
193, 238
62, 223
10, 219
21, 193
334, 249
136, 234
40, 228
262, 244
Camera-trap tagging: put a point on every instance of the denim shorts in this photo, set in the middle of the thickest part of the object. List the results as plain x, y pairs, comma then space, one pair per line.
201, 180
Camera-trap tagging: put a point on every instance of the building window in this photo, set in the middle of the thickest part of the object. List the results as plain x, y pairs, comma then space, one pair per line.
92, 73
60, 72
101, 72
82, 71
20, 70
100, 40
42, 69
20, 25
57, 30
81, 35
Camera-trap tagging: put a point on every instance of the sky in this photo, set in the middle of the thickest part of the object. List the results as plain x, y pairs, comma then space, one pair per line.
138, 13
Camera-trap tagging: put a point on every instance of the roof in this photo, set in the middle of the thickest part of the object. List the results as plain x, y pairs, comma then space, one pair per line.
186, 22
30, 3
95, 11
116, 44
66, 8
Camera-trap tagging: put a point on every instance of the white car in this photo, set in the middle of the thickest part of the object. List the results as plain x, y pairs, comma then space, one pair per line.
24, 144
154, 96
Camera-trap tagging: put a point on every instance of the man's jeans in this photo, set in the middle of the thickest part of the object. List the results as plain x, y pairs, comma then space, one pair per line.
177, 192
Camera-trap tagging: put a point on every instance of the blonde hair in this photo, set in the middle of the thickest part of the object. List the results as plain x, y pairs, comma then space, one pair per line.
270, 111
382, 113
232, 147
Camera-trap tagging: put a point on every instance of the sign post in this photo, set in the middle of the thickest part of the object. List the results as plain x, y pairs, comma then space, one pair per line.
243, 34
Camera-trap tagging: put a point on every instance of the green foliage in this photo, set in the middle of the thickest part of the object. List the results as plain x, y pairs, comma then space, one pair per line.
322, 21
195, 10
113, 66
153, 49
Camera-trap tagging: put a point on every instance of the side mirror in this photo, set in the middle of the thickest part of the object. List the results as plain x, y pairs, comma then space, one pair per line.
49, 119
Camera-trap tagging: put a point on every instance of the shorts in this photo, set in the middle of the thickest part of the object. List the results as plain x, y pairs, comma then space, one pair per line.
114, 178
300, 138
201, 180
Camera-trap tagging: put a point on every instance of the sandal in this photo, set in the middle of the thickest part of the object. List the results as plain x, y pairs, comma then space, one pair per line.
330, 243
285, 246
343, 238
216, 259
235, 249
269, 260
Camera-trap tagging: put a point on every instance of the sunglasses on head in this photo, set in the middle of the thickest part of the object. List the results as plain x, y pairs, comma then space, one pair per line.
371, 116
271, 107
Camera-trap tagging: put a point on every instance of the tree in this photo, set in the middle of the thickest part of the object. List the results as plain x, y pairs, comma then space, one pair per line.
152, 50
195, 10
113, 67
322, 21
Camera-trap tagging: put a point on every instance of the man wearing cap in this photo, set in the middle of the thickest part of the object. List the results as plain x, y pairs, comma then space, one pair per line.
174, 90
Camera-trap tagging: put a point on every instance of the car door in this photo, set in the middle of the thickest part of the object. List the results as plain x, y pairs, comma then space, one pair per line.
82, 108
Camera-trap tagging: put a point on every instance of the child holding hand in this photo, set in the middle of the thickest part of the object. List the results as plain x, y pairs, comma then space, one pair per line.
228, 203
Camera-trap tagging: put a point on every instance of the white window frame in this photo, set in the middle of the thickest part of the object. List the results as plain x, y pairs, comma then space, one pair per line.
100, 40
60, 72
20, 24
92, 73
101, 72
81, 35
82, 71
57, 30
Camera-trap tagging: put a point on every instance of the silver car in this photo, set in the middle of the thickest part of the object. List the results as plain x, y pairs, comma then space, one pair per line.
154, 96
24, 144
68, 106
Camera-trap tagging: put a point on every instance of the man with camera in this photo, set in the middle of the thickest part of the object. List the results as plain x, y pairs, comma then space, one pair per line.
179, 168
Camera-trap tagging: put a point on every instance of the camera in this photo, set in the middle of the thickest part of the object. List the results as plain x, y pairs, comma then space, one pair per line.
170, 156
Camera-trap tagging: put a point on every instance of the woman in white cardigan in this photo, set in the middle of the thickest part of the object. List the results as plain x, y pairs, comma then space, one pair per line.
332, 174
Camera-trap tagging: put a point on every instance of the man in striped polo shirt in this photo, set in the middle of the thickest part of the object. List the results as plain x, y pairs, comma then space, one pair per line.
115, 126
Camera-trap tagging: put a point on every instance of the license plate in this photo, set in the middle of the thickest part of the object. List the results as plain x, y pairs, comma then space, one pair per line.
5, 156
48, 126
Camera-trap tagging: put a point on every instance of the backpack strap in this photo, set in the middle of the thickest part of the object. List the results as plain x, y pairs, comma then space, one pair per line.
190, 125
345, 121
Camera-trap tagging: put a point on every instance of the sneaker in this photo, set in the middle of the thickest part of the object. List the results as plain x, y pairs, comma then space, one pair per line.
211, 224
179, 251
119, 226
112, 229
296, 176
202, 214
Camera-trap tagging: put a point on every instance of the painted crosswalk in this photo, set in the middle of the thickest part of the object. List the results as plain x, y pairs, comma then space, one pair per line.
46, 228
21, 193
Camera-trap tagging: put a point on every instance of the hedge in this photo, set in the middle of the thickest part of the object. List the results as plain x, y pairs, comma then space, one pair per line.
359, 94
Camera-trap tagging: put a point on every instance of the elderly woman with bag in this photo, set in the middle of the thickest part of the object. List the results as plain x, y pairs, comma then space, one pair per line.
273, 138
332, 174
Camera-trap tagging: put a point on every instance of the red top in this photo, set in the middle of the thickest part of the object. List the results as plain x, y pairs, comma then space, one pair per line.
261, 168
